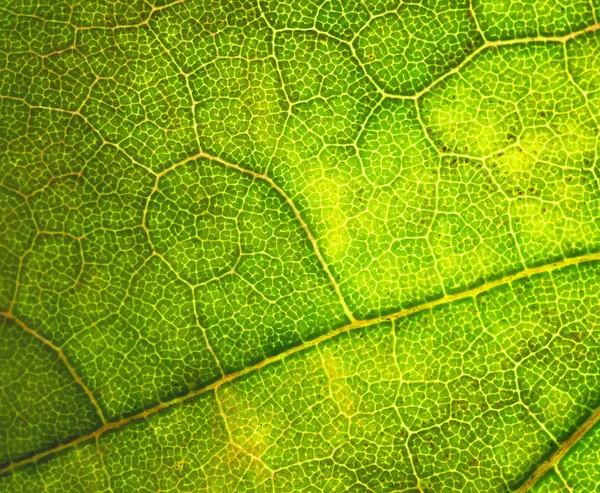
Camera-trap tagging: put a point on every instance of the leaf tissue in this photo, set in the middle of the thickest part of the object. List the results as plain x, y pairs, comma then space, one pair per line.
300, 246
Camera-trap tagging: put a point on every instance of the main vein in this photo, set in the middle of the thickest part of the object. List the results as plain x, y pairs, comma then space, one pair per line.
308, 344
559, 453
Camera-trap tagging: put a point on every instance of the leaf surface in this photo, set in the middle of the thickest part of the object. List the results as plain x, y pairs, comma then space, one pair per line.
299, 246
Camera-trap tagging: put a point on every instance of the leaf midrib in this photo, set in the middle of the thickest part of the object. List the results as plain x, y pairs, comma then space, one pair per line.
470, 293
559, 453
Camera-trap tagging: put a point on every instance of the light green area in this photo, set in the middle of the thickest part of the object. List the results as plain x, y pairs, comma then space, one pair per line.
519, 110
583, 62
406, 50
190, 188
337, 18
507, 19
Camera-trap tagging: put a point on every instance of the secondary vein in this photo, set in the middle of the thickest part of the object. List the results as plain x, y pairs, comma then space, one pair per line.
62, 357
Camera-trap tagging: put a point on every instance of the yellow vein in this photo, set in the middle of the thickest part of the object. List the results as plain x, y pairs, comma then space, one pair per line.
62, 357
560, 452
308, 344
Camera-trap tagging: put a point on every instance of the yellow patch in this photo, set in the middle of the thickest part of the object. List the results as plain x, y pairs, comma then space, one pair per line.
514, 161
249, 426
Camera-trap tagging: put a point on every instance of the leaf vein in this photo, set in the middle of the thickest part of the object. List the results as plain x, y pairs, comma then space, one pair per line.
546, 268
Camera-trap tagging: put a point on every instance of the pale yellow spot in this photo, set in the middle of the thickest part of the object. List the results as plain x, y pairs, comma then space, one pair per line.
327, 197
342, 393
250, 427
513, 161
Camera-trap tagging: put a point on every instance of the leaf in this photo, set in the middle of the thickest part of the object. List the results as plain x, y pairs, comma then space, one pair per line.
300, 246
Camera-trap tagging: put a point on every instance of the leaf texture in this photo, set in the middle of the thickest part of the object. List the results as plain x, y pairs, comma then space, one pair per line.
299, 246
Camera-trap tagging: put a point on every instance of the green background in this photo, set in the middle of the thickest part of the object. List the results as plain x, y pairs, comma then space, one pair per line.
299, 246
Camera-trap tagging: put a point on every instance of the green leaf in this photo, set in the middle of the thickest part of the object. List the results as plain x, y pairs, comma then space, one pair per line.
299, 246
